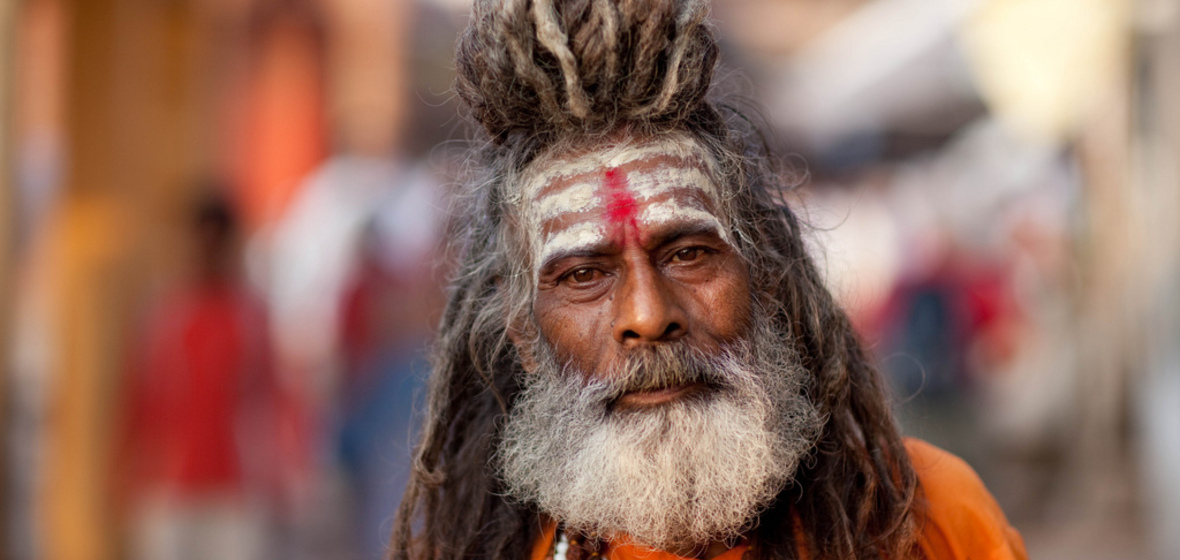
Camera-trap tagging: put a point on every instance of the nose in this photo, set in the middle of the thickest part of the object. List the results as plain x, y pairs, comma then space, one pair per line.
646, 308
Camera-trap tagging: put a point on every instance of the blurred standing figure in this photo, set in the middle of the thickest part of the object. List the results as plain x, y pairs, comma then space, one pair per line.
201, 411
385, 317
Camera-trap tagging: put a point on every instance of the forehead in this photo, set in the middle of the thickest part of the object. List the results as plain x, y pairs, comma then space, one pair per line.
576, 201
671, 153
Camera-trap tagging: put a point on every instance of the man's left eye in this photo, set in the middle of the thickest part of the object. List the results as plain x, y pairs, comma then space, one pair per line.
688, 254
583, 275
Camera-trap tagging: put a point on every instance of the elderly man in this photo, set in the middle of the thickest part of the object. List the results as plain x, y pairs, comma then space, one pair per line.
638, 358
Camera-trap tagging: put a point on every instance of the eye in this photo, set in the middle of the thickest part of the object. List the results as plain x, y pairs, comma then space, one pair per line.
583, 275
688, 254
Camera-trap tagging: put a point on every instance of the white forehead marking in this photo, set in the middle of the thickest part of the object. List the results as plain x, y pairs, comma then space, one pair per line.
671, 210
548, 169
573, 198
647, 184
583, 193
578, 236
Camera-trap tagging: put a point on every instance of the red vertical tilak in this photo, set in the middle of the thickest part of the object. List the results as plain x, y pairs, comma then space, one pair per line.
621, 209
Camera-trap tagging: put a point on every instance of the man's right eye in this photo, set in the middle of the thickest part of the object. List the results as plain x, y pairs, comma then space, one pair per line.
583, 275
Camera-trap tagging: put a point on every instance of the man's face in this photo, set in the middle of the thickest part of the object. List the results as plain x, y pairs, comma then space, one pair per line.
658, 403
629, 252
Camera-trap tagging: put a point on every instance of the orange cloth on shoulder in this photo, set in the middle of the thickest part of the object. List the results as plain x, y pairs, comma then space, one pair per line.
963, 519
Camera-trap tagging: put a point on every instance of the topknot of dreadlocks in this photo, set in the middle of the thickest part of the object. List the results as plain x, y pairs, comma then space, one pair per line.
539, 67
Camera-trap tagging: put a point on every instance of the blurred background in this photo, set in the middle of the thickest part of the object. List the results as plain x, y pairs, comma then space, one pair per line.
223, 230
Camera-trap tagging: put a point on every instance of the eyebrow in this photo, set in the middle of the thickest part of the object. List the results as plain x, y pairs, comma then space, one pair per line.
689, 229
584, 240
662, 236
580, 252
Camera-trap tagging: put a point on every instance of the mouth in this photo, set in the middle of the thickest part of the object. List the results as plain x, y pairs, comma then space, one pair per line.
650, 398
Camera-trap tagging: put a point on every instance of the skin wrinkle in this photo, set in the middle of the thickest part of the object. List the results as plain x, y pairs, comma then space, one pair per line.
587, 236
553, 168
573, 196
690, 204
673, 477
842, 506
565, 188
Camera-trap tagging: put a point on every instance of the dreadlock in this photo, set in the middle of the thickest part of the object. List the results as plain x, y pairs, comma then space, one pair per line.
542, 74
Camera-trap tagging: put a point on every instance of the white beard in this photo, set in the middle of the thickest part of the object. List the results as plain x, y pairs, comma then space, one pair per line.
675, 476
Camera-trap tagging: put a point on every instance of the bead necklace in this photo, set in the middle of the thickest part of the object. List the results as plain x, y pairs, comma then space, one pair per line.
578, 547
593, 548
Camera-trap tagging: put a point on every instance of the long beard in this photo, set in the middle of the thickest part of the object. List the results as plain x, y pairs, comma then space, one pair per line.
675, 476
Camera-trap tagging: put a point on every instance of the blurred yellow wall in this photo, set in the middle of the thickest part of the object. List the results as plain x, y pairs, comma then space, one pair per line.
131, 135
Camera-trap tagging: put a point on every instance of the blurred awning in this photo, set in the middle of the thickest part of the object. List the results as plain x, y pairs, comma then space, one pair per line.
886, 78
891, 67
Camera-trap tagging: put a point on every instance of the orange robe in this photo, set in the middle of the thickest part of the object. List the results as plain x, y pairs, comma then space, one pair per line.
963, 520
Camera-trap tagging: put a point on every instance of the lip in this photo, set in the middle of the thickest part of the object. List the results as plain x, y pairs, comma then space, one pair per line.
657, 397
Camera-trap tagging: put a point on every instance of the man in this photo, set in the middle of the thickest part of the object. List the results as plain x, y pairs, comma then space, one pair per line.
638, 358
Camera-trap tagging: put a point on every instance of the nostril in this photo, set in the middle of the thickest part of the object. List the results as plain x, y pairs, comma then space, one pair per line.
629, 334
672, 330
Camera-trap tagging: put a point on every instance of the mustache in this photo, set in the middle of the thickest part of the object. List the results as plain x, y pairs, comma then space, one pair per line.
667, 365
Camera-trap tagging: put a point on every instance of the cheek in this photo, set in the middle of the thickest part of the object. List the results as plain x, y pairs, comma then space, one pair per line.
726, 306
573, 332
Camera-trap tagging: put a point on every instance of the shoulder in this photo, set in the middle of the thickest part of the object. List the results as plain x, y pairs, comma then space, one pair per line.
962, 520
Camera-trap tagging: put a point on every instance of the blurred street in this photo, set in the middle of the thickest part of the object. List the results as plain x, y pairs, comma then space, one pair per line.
224, 240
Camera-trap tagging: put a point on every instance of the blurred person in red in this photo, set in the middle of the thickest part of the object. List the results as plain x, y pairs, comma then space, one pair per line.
954, 320
385, 316
198, 461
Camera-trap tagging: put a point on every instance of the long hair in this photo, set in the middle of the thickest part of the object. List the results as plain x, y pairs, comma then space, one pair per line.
540, 74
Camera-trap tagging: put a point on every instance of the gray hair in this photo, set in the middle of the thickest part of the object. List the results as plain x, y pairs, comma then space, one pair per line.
541, 75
